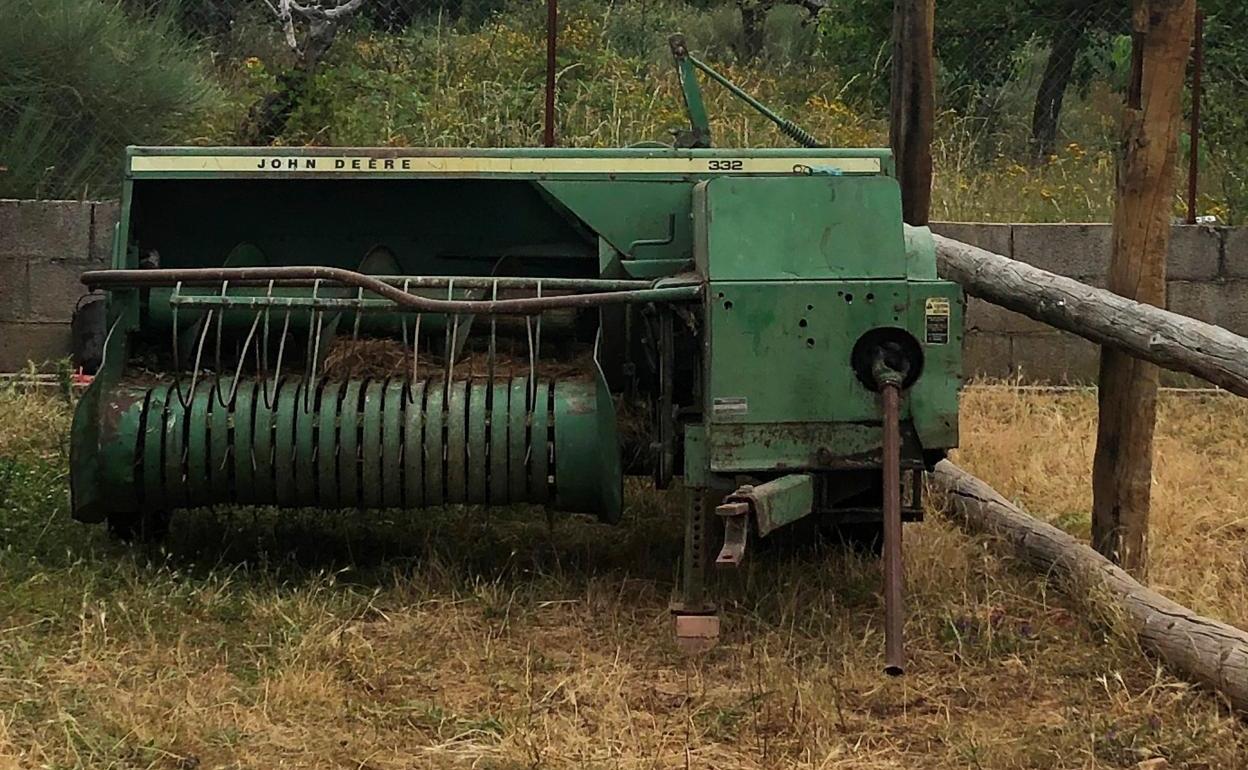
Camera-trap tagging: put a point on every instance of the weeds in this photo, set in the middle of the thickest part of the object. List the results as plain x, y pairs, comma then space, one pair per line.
492, 639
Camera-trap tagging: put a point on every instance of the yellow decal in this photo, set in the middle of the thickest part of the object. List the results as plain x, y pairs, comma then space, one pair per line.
442, 164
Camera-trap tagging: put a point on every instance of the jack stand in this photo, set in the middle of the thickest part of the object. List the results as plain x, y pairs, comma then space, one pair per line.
696, 620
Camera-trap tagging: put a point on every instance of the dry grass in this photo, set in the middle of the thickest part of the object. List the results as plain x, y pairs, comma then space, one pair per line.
497, 640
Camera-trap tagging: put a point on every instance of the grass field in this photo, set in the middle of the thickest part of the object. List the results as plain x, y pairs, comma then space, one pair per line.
504, 640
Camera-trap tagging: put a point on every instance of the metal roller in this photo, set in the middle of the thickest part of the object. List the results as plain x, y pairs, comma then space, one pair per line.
369, 444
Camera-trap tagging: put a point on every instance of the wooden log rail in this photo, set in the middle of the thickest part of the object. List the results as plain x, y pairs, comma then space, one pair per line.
1203, 649
1170, 340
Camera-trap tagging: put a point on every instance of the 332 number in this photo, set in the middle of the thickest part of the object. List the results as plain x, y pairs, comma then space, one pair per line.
726, 165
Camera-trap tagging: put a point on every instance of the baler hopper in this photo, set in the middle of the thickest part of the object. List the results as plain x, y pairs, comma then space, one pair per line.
394, 328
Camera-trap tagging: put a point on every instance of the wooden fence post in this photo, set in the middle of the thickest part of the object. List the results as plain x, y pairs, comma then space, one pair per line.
913, 105
1122, 466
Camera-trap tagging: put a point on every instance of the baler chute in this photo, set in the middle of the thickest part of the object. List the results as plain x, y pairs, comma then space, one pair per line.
495, 306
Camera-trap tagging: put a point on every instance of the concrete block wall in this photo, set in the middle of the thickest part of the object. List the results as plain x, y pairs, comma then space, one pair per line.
45, 245
1207, 278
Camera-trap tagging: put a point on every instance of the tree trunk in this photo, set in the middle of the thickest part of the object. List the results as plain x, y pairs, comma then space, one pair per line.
1123, 464
1167, 339
1199, 648
913, 105
753, 27
1065, 47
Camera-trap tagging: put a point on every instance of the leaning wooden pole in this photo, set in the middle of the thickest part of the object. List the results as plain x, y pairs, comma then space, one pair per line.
913, 108
1122, 468
1199, 648
1170, 340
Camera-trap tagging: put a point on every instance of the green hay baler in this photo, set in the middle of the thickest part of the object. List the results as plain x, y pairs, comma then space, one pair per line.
394, 328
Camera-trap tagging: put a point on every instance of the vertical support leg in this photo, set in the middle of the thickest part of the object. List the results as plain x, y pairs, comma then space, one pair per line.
894, 612
696, 621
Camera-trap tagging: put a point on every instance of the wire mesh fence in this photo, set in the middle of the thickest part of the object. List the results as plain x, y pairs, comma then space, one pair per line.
1030, 94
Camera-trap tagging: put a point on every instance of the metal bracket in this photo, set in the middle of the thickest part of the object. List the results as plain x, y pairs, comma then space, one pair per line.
771, 505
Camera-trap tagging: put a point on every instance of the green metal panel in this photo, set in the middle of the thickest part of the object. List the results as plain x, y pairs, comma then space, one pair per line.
539, 458
499, 419
478, 439
654, 225
371, 449
807, 330
174, 476
349, 446
262, 441
197, 487
588, 482
219, 443
434, 493
517, 442
305, 444
456, 443
327, 445
244, 469
816, 227
413, 446
392, 445
288, 404
153, 449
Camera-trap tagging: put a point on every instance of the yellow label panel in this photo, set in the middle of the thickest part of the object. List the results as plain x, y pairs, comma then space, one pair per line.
433, 164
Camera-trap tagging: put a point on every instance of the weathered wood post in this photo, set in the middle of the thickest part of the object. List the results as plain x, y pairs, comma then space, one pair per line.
1123, 463
913, 105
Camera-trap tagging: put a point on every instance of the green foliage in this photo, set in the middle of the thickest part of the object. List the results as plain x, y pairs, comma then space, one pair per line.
79, 80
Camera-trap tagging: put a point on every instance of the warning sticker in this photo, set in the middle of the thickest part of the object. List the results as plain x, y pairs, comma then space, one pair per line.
936, 320
725, 406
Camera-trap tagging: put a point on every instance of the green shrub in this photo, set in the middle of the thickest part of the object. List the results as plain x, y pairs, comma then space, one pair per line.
81, 79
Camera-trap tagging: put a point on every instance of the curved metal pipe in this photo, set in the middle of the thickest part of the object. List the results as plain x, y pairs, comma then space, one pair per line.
105, 279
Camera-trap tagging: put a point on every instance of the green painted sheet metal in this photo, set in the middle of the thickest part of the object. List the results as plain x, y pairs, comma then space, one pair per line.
197, 489
327, 445
538, 454
174, 477
434, 444
219, 459
288, 404
589, 482
349, 445
392, 444
499, 419
478, 440
818, 227
456, 443
305, 444
262, 441
153, 449
370, 446
413, 446
517, 437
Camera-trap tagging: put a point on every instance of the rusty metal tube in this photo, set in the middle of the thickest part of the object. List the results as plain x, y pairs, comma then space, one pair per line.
894, 611
105, 279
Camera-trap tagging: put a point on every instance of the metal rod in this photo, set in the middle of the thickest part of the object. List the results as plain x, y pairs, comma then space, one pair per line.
894, 611
1193, 161
505, 283
552, 39
201, 276
791, 129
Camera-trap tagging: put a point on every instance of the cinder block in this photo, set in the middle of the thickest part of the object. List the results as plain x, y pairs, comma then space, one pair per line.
986, 355
1078, 251
993, 237
56, 289
41, 343
104, 216
47, 229
14, 289
986, 317
1056, 358
1235, 252
1195, 251
1224, 303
